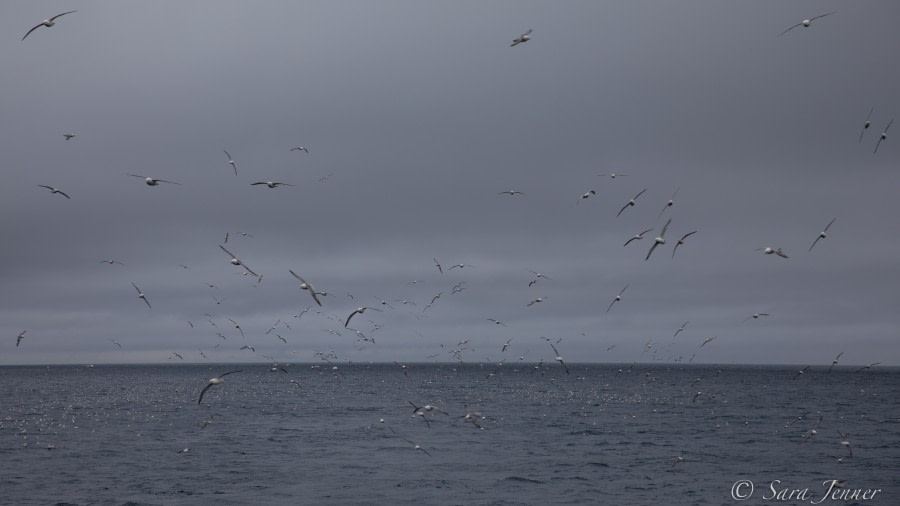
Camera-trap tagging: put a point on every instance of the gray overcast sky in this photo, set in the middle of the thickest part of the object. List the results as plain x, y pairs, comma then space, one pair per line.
419, 113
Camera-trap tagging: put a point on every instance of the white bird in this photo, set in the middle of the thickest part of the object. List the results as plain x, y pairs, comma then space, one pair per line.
511, 193
868, 366
805, 23
141, 295
669, 204
20, 337
617, 299
681, 241
585, 196
683, 325
755, 316
845, 442
116, 343
55, 190
218, 380
498, 322
822, 234
883, 135
47, 22
866, 125
708, 340
235, 261
835, 361
505, 345
558, 358
231, 162
110, 262
359, 310
153, 181
769, 250
236, 326
300, 148
631, 202
678, 458
472, 416
271, 184
525, 37
306, 286
611, 175
801, 372
68, 136
659, 240
637, 237
535, 301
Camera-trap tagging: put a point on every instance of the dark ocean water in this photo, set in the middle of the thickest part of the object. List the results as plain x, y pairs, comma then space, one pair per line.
600, 435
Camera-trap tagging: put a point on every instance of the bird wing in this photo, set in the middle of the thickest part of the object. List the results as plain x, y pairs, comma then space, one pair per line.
349, 317
623, 290
164, 181
63, 194
789, 29
665, 227
226, 154
639, 194
60, 15
623, 208
610, 305
229, 372
651, 250
829, 225
232, 255
821, 16
202, 392
33, 29
136, 287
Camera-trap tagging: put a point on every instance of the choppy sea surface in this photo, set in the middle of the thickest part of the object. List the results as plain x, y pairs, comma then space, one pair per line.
604, 434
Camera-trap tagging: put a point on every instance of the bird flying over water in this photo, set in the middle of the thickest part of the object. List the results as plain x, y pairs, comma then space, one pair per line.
359, 310
585, 196
558, 358
20, 337
511, 193
669, 204
805, 23
271, 184
835, 361
47, 22
300, 148
218, 380
769, 250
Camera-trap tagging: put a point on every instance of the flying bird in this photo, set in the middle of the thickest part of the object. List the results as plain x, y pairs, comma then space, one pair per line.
585, 196
681, 241
359, 310
535, 301
68, 136
511, 193
708, 340
835, 361
611, 175
637, 237
883, 135
141, 295
218, 380
300, 148
235, 261
822, 234
55, 190
866, 125
236, 326
769, 250
438, 265
869, 366
47, 22
20, 337
683, 325
801, 372
498, 322
110, 262
271, 184
306, 286
505, 345
231, 162
755, 316
153, 181
659, 240
617, 299
558, 358
805, 23
630, 203
525, 37
669, 204
116, 343
845, 442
